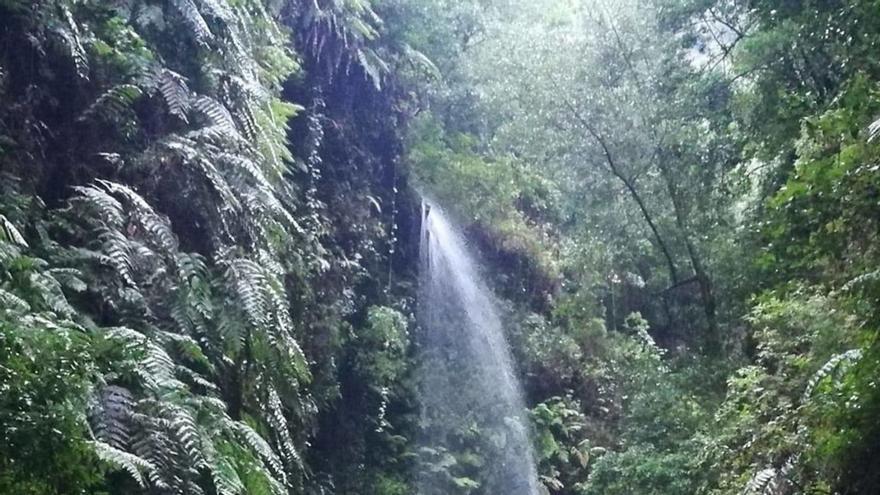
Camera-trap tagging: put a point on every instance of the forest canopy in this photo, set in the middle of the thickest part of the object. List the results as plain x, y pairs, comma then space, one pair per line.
212, 234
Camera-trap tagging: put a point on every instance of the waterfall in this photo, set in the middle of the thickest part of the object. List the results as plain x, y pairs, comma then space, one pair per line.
470, 397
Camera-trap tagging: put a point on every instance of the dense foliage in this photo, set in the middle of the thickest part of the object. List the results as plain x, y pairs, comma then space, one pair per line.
209, 227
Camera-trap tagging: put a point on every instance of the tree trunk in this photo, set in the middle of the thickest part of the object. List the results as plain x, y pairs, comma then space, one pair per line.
707, 293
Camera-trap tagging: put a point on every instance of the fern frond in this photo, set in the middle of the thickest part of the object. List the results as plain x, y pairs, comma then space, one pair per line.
191, 267
129, 338
279, 426
196, 379
157, 370
874, 130
217, 114
130, 463
250, 283
52, 293
247, 121
217, 137
114, 103
421, 61
762, 483
12, 302
70, 35
9, 233
249, 88
186, 347
829, 367
106, 207
183, 423
193, 272
225, 477
70, 278
218, 8
112, 417
153, 443
157, 226
175, 92
190, 13
118, 252
259, 445
185, 149
374, 67
282, 337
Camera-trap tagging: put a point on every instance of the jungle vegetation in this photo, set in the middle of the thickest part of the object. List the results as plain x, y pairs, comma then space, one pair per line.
209, 216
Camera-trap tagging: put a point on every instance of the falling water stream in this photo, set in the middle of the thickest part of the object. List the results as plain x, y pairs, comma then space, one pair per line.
470, 397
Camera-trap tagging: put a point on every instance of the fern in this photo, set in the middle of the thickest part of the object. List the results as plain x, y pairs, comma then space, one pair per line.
421, 61
250, 284
157, 369
219, 147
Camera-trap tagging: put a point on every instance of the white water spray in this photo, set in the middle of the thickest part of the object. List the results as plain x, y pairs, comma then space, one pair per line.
469, 393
